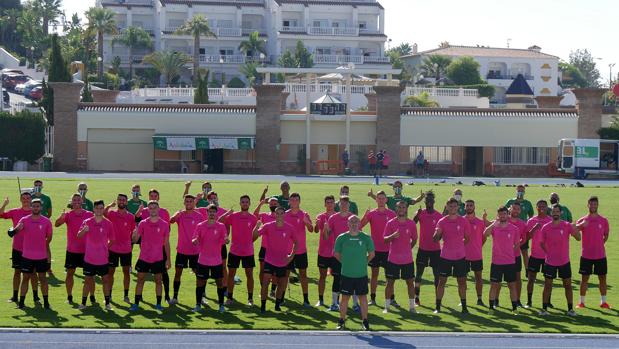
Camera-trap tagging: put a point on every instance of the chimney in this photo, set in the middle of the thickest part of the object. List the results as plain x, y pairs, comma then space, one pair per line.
415, 48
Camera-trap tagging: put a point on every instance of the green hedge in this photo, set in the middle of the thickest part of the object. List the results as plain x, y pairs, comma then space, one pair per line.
22, 136
609, 133
484, 90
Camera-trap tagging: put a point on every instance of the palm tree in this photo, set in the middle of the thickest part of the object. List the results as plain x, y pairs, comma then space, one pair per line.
435, 65
421, 101
101, 20
134, 38
249, 70
196, 26
253, 45
48, 10
169, 64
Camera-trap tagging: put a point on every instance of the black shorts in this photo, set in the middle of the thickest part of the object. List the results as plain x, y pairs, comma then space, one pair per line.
234, 261
518, 264
564, 271
262, 254
524, 246
474, 265
593, 266
379, 260
122, 259
354, 286
153, 268
224, 252
92, 270
300, 261
276, 271
456, 268
29, 266
73, 260
399, 271
204, 272
500, 272
16, 259
330, 262
535, 264
428, 258
184, 261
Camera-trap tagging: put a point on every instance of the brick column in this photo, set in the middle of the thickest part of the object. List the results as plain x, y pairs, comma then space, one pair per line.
104, 96
548, 101
589, 107
66, 99
388, 124
371, 101
268, 128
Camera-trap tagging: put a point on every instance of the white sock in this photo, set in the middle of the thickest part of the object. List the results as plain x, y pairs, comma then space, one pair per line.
582, 299
355, 300
335, 296
604, 299
387, 304
411, 303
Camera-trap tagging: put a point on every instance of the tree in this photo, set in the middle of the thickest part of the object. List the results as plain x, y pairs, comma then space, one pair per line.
287, 60
402, 49
197, 26
101, 21
253, 46
169, 64
30, 31
395, 58
48, 11
58, 67
464, 71
201, 94
303, 56
250, 71
86, 91
22, 136
571, 76
134, 38
47, 103
421, 101
584, 62
435, 65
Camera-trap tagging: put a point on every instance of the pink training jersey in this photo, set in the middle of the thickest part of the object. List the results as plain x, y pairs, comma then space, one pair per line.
210, 237
35, 232
187, 222
593, 236
74, 219
556, 239
401, 249
503, 241
163, 214
536, 249
454, 231
299, 228
325, 245
473, 247
97, 238
154, 235
279, 242
124, 225
15, 215
522, 228
427, 227
378, 220
265, 218
338, 225
241, 225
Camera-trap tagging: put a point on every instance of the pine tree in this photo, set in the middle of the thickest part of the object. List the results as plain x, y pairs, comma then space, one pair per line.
58, 68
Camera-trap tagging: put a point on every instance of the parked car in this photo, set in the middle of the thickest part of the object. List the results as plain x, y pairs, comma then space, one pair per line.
11, 80
12, 71
30, 85
36, 93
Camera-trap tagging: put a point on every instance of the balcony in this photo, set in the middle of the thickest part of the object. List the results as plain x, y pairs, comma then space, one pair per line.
345, 59
247, 31
333, 31
295, 30
506, 76
222, 59
219, 32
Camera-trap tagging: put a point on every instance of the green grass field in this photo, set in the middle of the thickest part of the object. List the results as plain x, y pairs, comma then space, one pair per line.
295, 317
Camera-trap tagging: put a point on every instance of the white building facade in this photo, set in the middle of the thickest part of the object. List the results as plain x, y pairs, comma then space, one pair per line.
336, 32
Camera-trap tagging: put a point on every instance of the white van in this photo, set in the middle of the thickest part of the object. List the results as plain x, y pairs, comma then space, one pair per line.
583, 157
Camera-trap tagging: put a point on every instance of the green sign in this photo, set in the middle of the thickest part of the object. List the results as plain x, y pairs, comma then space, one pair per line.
202, 143
180, 143
160, 143
587, 152
245, 143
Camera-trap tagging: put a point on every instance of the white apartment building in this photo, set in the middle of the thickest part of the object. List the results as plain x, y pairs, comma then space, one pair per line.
500, 66
336, 32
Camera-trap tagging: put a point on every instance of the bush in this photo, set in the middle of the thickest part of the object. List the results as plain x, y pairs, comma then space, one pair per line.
22, 136
235, 82
609, 133
22, 61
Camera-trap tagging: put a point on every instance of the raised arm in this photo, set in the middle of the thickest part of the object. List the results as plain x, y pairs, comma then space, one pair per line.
61, 219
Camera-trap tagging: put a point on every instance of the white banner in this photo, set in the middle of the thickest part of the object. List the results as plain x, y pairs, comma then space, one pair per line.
181, 143
223, 143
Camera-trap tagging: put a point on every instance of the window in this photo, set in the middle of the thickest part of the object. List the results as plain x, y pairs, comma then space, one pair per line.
432, 154
363, 25
289, 23
521, 155
294, 151
338, 23
322, 51
226, 52
224, 23
320, 23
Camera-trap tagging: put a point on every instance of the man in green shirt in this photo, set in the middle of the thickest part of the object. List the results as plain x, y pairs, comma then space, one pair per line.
46, 202
87, 205
392, 201
285, 196
134, 204
354, 249
566, 215
525, 205
201, 198
345, 191
458, 196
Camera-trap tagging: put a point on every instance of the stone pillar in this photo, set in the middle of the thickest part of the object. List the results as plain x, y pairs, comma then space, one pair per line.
589, 107
548, 101
371, 97
66, 99
104, 96
268, 128
388, 124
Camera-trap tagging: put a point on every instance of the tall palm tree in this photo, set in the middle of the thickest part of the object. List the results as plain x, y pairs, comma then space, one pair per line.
169, 64
48, 10
196, 26
134, 38
101, 21
435, 65
253, 45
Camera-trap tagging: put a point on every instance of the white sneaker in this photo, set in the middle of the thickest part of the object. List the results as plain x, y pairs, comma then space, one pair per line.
81, 307
204, 301
250, 303
108, 307
571, 313
413, 310
173, 301
385, 311
543, 313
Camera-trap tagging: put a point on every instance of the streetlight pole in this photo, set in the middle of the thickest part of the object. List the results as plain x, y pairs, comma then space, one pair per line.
32, 56
221, 62
99, 68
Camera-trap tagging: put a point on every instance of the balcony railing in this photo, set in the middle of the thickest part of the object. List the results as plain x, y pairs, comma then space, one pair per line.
222, 59
124, 58
247, 31
288, 29
224, 32
333, 31
507, 76
344, 59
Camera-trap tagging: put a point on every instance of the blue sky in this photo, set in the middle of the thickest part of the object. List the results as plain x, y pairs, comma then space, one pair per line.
557, 26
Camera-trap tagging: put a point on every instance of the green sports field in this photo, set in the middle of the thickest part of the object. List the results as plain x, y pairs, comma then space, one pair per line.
294, 316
